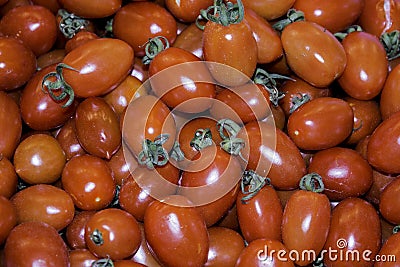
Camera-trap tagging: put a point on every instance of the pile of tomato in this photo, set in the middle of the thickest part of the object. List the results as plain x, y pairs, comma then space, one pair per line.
199, 133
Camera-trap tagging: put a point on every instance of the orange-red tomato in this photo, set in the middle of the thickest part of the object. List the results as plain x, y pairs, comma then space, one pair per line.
9, 218
313, 53
75, 231
190, 39
389, 202
187, 10
390, 94
9, 179
271, 9
90, 9
389, 252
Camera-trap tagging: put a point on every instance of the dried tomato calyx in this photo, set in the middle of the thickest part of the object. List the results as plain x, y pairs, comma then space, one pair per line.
58, 89
153, 47
353, 28
391, 43
222, 13
251, 184
202, 138
153, 153
312, 182
298, 100
70, 24
292, 15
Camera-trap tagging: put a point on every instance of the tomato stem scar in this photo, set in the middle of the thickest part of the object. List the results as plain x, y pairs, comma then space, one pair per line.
153, 152
202, 138
312, 182
153, 47
97, 237
254, 182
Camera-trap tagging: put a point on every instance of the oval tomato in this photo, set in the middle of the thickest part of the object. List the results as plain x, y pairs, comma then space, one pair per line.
9, 181
75, 231
269, 10
389, 202
390, 94
90, 9
389, 252
9, 218
68, 140
187, 10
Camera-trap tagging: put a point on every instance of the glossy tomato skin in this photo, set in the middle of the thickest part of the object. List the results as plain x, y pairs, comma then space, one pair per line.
344, 172
383, 147
9, 181
75, 230
232, 45
90, 9
81, 257
367, 117
190, 39
35, 25
269, 10
143, 255
120, 167
9, 218
44, 203
120, 234
38, 242
269, 44
321, 123
389, 247
187, 10
355, 225
38, 110
11, 122
68, 140
191, 96
89, 182
317, 64
39, 158
389, 97
96, 70
97, 127
137, 22
19, 63
261, 215
361, 79
225, 246
78, 39
263, 252
186, 245
389, 203
380, 16
379, 183
305, 223
334, 17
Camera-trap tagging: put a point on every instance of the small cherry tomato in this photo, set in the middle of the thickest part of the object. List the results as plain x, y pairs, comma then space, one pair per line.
355, 226
176, 233
190, 39
345, 172
143, 254
389, 97
389, 252
313, 53
44, 203
34, 25
379, 183
81, 258
39, 159
75, 231
90, 9
120, 167
37, 242
8, 219
113, 233
81, 37
187, 10
321, 123
389, 202
54, 56
19, 63
89, 182
269, 10
9, 179
97, 127
225, 247
52, 5
361, 79
68, 140
146, 20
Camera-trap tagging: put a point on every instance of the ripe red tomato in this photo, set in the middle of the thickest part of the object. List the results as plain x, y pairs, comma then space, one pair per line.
8, 219
75, 231
355, 226
321, 123
19, 63
269, 10
187, 10
146, 20
44, 203
190, 39
261, 215
361, 79
345, 172
305, 223
176, 233
68, 140
78, 39
112, 233
389, 202
313, 53
389, 96
89, 182
81, 257
8, 183
34, 25
379, 183
334, 16
389, 252
143, 254
90, 9
37, 242
11, 125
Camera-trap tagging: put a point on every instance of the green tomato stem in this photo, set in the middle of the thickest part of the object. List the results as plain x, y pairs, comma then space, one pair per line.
153, 153
70, 24
251, 184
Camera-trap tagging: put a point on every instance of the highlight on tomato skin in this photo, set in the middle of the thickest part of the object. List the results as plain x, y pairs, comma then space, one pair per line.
199, 133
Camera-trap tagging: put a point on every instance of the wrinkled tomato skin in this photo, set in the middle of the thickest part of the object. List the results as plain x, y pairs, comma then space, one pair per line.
19, 63
356, 222
311, 209
389, 202
142, 18
38, 110
38, 242
361, 79
97, 71
194, 98
11, 123
9, 218
316, 55
187, 10
334, 16
186, 245
390, 94
345, 172
383, 147
376, 18
389, 247
232, 45
321, 123
90, 9
97, 127
261, 215
34, 25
